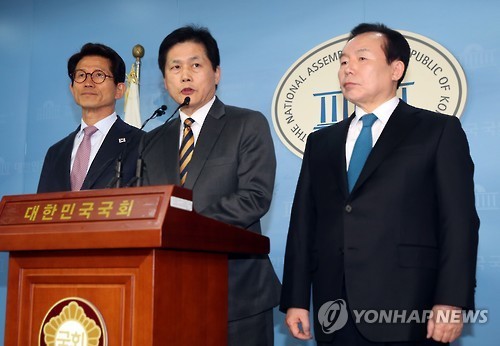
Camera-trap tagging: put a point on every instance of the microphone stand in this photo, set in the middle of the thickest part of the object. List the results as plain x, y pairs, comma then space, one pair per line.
137, 180
157, 113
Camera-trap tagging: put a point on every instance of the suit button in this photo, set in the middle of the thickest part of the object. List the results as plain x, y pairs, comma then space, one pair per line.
348, 208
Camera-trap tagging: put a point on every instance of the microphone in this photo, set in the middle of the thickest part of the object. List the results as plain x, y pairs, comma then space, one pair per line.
186, 102
137, 180
157, 113
116, 181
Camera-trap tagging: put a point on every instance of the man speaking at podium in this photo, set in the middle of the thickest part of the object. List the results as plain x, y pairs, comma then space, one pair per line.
87, 157
225, 155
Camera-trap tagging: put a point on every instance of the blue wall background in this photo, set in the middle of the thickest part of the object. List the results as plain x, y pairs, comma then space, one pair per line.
259, 40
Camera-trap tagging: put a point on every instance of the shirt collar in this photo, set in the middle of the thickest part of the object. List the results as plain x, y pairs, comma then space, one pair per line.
200, 115
103, 125
383, 112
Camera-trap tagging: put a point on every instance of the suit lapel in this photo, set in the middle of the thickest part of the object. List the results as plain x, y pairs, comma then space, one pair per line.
210, 132
395, 131
66, 151
170, 146
336, 143
109, 151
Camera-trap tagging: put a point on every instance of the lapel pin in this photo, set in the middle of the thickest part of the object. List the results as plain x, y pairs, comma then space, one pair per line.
122, 140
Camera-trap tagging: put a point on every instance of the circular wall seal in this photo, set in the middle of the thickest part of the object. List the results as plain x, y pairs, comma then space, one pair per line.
308, 96
73, 321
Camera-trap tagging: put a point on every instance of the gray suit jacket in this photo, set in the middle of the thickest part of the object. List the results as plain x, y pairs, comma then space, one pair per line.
231, 175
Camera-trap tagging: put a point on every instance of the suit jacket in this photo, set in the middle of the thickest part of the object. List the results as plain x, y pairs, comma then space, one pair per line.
405, 238
231, 175
56, 169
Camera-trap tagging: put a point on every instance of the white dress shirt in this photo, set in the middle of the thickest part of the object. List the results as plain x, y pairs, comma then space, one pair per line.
383, 113
103, 127
199, 118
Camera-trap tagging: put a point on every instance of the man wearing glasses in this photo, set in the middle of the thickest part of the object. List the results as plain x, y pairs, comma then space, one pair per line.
88, 157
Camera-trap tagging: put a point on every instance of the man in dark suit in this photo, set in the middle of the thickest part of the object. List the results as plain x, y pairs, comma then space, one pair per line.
402, 237
97, 75
231, 170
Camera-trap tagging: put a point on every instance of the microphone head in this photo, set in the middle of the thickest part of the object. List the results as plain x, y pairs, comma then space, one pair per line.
186, 101
161, 110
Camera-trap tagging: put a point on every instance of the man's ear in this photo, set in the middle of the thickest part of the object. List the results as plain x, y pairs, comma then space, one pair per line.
217, 75
398, 68
120, 90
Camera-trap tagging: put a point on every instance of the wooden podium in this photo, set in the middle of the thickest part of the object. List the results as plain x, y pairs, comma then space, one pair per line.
134, 266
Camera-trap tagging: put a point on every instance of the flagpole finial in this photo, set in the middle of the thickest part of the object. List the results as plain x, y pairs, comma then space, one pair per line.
138, 51
132, 108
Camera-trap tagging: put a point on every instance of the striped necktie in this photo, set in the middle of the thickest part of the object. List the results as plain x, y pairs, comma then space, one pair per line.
361, 150
186, 151
82, 158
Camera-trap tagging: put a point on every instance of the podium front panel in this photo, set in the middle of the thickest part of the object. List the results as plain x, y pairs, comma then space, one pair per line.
145, 297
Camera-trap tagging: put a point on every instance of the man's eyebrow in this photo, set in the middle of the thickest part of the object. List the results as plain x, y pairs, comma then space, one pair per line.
193, 58
361, 50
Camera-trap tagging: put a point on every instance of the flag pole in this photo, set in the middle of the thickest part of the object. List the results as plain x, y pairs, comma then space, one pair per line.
138, 53
132, 103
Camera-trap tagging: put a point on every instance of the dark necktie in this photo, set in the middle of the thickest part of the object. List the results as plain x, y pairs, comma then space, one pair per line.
186, 151
82, 157
361, 150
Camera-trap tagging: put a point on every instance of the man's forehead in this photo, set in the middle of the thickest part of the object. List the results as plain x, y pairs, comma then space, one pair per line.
94, 61
364, 43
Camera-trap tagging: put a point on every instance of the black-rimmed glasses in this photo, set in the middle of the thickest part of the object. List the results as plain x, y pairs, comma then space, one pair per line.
97, 76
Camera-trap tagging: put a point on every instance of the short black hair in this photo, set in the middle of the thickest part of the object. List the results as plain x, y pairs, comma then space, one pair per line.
189, 33
98, 49
396, 46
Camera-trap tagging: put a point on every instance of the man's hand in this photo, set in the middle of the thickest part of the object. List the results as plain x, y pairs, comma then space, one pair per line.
297, 321
445, 324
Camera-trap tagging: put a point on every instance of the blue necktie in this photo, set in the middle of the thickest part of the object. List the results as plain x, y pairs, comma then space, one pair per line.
361, 150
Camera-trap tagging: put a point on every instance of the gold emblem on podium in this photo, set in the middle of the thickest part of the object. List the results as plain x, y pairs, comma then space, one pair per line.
73, 321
